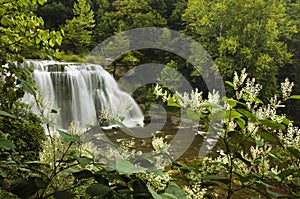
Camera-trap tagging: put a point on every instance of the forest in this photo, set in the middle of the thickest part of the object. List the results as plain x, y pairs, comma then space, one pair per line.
254, 44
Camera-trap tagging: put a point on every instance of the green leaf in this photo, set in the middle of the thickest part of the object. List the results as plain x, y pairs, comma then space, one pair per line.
84, 161
4, 113
295, 152
98, 190
286, 121
263, 184
51, 43
187, 167
63, 195
230, 101
192, 114
222, 179
230, 84
172, 102
28, 87
259, 143
124, 128
273, 175
267, 136
168, 196
272, 124
126, 167
23, 188
295, 97
241, 123
286, 172
69, 138
6, 144
175, 190
257, 100
231, 114
40, 183
41, 2
277, 195
153, 193
249, 115
84, 174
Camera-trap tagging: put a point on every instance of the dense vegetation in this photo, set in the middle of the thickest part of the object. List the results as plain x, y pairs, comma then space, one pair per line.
258, 153
261, 36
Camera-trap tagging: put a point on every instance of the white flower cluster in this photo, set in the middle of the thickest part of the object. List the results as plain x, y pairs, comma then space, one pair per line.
259, 156
159, 144
90, 150
161, 156
239, 80
265, 112
194, 100
195, 191
159, 92
286, 88
249, 92
291, 138
157, 181
127, 145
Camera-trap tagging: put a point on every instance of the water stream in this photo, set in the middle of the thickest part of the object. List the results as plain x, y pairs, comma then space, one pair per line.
80, 91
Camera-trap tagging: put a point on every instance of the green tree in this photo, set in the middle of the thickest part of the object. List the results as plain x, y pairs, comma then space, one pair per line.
128, 14
170, 77
102, 30
78, 30
22, 35
55, 13
249, 35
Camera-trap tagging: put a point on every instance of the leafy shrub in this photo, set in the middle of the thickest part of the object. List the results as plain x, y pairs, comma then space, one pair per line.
259, 150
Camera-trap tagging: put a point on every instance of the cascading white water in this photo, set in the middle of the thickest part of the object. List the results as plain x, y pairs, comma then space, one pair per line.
80, 91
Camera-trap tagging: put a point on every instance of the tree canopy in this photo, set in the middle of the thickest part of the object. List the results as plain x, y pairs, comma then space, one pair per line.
249, 35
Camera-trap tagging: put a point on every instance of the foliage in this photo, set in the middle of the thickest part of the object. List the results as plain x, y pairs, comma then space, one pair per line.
21, 133
66, 158
22, 32
251, 34
55, 13
258, 151
170, 77
78, 30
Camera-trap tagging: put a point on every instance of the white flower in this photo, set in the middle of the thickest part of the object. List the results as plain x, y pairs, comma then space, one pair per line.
239, 80
286, 88
250, 91
157, 181
159, 144
195, 191
214, 97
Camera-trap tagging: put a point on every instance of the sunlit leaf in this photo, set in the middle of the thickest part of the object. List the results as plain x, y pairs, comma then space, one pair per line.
4, 113
153, 193
6, 144
230, 84
126, 167
69, 138
295, 97
192, 114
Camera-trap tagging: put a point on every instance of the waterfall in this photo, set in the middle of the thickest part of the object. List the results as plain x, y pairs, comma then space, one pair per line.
80, 91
